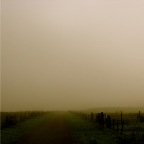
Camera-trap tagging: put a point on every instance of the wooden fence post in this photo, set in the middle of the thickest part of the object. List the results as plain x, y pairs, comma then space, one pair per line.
102, 119
113, 124
117, 125
92, 117
122, 123
139, 114
121, 117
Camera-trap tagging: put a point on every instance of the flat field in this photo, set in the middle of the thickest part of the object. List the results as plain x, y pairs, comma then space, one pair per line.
72, 128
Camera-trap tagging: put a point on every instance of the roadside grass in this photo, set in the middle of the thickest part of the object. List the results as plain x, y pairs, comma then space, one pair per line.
85, 132
12, 134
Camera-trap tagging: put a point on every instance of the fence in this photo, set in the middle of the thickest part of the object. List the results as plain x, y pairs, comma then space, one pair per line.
129, 125
14, 118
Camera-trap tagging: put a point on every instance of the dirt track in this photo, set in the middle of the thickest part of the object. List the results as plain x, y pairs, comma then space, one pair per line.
54, 131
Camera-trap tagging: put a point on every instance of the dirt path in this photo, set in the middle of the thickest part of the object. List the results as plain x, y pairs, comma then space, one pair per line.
54, 131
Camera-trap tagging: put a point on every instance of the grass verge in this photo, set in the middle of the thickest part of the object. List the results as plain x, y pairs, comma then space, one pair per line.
12, 134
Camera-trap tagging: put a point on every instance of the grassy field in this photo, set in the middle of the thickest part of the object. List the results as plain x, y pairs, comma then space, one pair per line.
83, 130
132, 132
11, 134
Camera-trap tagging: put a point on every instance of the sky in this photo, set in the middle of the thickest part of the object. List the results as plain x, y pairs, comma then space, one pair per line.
71, 54
0, 56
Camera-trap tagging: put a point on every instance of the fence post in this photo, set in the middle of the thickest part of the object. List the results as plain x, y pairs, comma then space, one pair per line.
138, 117
102, 119
92, 117
121, 117
117, 125
139, 114
122, 123
113, 124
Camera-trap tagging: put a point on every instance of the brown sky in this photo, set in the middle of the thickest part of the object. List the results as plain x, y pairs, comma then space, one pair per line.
72, 54
0, 56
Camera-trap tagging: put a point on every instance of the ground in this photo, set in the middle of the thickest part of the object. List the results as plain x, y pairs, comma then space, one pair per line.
68, 128
56, 128
53, 131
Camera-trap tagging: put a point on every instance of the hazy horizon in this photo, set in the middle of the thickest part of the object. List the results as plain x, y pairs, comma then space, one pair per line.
63, 55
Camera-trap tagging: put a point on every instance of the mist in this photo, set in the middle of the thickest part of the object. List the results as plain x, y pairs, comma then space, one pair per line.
62, 55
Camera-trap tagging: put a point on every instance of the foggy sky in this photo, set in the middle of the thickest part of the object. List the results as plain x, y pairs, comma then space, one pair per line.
64, 54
